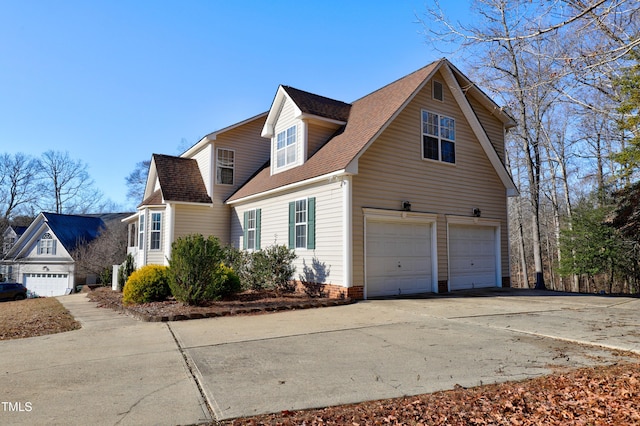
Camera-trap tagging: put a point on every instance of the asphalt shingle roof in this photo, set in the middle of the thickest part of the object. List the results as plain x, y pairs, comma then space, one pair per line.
319, 105
366, 118
180, 180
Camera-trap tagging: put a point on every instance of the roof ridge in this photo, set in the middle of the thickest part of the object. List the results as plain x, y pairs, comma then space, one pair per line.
400, 79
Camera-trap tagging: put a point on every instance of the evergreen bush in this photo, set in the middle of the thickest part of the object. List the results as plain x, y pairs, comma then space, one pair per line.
147, 284
197, 272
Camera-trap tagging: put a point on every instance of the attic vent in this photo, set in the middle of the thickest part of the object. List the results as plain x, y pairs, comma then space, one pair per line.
437, 91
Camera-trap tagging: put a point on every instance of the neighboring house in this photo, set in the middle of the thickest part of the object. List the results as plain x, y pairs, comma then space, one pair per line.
9, 238
42, 257
402, 191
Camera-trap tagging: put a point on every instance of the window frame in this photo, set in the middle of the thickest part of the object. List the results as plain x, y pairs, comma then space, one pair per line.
48, 249
220, 166
141, 229
433, 126
155, 235
300, 226
251, 229
289, 139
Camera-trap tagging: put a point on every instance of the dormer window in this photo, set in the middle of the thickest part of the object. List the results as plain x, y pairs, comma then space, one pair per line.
47, 245
286, 147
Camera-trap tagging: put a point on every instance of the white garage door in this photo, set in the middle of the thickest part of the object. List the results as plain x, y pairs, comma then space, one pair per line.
47, 285
472, 257
398, 258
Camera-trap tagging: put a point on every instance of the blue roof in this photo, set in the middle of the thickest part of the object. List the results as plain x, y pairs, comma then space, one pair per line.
73, 230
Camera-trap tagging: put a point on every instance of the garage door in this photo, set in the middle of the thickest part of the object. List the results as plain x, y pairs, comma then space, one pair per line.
472, 257
47, 284
398, 258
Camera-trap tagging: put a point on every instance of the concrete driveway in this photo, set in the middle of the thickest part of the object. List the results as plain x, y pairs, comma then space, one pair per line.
120, 371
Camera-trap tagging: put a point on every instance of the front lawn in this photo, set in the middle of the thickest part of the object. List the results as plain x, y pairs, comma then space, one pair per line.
34, 317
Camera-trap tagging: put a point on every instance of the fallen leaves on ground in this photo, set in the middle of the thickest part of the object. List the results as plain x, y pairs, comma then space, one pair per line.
604, 395
34, 317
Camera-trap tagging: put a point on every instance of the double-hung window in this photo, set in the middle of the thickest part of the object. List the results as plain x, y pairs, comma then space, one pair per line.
156, 230
301, 223
438, 137
252, 229
286, 147
225, 164
47, 245
302, 219
141, 232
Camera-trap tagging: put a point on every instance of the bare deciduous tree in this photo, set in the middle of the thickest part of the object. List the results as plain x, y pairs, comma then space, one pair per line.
65, 184
137, 180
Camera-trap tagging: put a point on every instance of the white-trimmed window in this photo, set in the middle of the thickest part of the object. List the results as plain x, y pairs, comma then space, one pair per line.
156, 231
286, 147
302, 223
438, 137
252, 229
225, 165
47, 244
141, 232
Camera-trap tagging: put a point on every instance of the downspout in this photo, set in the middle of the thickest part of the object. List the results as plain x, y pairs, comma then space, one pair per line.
170, 221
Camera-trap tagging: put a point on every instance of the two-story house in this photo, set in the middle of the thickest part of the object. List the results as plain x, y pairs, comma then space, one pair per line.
401, 191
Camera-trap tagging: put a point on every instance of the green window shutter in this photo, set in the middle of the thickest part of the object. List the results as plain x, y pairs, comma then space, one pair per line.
311, 223
246, 224
258, 216
292, 225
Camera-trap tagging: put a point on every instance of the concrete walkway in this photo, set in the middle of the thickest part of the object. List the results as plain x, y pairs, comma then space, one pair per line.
113, 371
116, 370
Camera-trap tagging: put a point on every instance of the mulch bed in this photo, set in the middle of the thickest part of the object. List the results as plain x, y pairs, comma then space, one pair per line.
246, 303
34, 317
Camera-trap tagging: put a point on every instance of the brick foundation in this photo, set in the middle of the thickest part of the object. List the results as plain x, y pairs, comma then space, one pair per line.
335, 291
443, 286
506, 282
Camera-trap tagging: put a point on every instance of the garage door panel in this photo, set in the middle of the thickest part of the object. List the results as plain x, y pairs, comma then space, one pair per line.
398, 258
472, 257
47, 285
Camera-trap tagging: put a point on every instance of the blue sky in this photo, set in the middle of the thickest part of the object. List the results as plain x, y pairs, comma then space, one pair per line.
114, 81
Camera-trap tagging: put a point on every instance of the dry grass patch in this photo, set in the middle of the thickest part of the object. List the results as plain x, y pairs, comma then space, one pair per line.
34, 317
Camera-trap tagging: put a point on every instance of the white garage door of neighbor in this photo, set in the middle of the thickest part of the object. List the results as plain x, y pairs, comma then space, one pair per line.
47, 284
398, 258
472, 257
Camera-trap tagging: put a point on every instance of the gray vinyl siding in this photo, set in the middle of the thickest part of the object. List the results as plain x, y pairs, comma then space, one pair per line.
317, 136
204, 158
192, 219
491, 125
156, 257
285, 120
275, 229
251, 153
392, 170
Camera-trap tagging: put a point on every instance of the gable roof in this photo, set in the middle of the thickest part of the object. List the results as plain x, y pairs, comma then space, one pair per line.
367, 119
73, 230
321, 106
180, 181
306, 105
70, 230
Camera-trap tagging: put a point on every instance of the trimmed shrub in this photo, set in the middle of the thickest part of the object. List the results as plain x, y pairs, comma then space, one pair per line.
147, 284
271, 268
196, 270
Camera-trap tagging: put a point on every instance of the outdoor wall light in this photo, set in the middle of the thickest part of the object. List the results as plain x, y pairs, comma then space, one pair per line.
476, 212
406, 206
